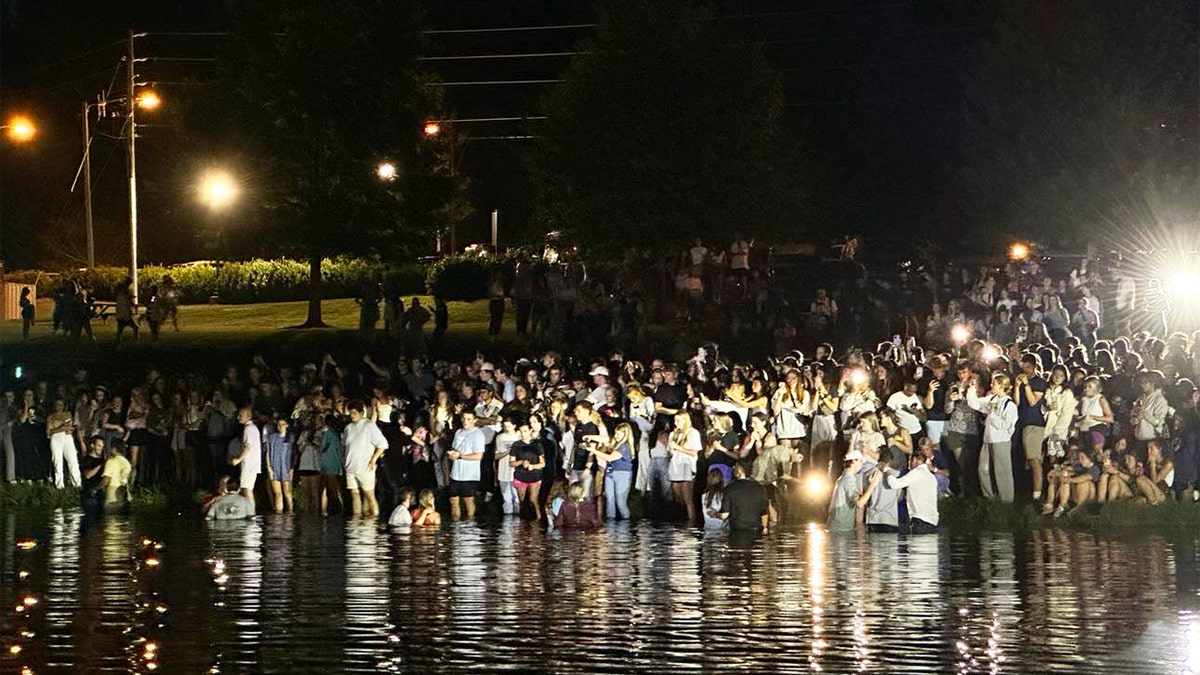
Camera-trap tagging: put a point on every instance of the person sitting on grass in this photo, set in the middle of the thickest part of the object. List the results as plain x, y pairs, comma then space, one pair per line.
1069, 482
1118, 476
1155, 482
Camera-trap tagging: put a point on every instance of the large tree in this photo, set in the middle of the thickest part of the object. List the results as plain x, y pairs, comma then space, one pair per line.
1084, 119
664, 128
325, 92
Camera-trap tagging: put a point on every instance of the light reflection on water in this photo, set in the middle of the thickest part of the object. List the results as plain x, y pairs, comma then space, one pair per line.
314, 595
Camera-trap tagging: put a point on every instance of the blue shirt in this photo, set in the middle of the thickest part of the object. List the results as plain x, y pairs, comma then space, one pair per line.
625, 463
1027, 414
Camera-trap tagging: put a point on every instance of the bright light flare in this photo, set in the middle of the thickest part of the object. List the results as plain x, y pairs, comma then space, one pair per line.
386, 171
989, 353
817, 486
148, 100
1185, 285
218, 189
1018, 251
960, 333
21, 129
858, 377
432, 128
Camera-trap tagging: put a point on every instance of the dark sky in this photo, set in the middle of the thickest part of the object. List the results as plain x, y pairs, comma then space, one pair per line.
873, 94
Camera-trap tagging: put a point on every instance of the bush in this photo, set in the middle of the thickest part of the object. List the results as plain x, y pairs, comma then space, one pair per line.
464, 277
242, 282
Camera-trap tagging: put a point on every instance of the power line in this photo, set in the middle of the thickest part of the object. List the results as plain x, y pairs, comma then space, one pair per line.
476, 57
476, 83
510, 29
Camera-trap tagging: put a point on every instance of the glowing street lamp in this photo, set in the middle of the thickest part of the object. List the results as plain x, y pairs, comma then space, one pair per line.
20, 129
148, 100
386, 171
1018, 251
432, 128
217, 189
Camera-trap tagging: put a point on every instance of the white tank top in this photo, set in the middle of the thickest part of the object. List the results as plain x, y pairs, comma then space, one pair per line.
1089, 405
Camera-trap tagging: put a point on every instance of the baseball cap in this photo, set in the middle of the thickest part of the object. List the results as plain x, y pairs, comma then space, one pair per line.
852, 455
599, 370
487, 366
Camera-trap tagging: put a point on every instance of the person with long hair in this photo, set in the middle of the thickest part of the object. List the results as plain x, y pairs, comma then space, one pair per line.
330, 462
792, 404
1059, 404
136, 435
425, 514
1095, 415
308, 462
279, 465
527, 460
684, 446
1155, 481
711, 501
999, 424
617, 456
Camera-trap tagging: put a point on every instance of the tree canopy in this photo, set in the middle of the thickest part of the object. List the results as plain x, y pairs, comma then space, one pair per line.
664, 128
1084, 119
325, 92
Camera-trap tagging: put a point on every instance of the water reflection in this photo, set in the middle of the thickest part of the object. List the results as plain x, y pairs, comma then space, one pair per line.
315, 595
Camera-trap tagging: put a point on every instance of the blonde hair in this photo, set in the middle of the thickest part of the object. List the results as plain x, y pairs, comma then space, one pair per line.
427, 499
682, 429
575, 492
1003, 380
622, 434
722, 423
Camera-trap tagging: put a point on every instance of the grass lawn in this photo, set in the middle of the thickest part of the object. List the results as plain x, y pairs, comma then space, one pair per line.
214, 334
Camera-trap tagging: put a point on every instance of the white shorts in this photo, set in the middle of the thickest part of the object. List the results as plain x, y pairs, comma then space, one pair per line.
364, 480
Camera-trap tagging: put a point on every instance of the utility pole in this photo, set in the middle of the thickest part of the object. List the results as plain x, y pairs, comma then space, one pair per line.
87, 187
133, 224
495, 230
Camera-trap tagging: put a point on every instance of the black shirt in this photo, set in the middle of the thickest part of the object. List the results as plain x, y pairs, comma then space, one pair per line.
671, 396
87, 463
746, 502
579, 460
529, 452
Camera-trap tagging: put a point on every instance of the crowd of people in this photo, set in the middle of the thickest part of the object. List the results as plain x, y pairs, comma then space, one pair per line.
1003, 395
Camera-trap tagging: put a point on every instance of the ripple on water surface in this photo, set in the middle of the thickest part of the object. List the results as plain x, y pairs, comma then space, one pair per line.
305, 594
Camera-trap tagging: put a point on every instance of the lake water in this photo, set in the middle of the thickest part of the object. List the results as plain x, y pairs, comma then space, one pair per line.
302, 594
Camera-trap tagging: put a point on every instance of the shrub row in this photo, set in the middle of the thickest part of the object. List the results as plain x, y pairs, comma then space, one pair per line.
249, 281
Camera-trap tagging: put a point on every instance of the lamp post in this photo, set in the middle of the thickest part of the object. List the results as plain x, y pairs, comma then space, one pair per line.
20, 129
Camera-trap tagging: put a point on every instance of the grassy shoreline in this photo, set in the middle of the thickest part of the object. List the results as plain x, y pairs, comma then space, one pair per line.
958, 515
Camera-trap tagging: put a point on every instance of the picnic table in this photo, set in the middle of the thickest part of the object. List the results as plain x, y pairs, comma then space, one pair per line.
102, 309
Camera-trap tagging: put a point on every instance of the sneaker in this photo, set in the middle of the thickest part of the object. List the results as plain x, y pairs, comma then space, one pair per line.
1195, 494
1037, 495
1047, 508
1058, 512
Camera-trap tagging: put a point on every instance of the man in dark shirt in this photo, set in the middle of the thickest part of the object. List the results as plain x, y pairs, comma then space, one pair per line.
669, 398
744, 504
579, 455
1028, 390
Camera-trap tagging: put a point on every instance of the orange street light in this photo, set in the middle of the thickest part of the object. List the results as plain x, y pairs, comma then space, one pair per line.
432, 128
148, 100
20, 129
1018, 251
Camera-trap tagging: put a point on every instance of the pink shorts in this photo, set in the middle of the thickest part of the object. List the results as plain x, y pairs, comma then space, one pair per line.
522, 484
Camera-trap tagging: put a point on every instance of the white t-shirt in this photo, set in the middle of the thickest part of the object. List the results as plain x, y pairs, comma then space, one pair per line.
902, 403
467, 442
400, 517
252, 462
359, 441
504, 441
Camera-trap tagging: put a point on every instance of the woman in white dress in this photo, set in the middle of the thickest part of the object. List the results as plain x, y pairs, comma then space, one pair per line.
790, 402
684, 446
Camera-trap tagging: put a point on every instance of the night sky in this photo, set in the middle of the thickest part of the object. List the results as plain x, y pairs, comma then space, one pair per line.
873, 89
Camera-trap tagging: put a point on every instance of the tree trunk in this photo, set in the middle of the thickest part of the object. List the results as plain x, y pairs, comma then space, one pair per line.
314, 298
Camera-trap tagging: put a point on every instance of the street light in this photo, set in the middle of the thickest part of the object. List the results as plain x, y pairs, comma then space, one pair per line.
148, 100
386, 171
20, 129
432, 128
217, 189
1018, 251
